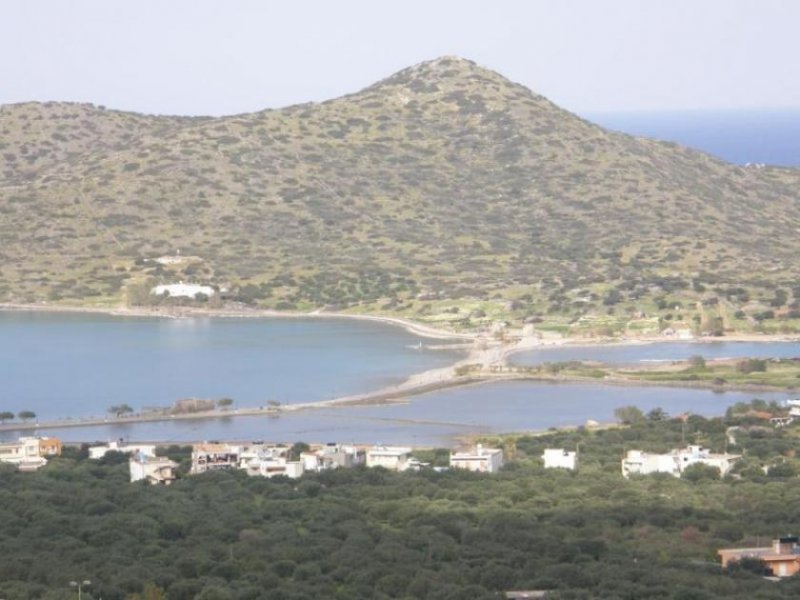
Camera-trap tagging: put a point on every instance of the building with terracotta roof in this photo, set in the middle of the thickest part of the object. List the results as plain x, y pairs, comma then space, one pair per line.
782, 557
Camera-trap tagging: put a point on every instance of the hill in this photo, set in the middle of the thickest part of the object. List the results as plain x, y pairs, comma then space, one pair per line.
442, 192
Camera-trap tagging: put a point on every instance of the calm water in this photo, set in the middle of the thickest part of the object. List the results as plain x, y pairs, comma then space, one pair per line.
435, 418
661, 351
738, 136
60, 365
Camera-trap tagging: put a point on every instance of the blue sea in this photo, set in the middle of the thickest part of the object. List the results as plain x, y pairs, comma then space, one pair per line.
74, 365
738, 136
71, 365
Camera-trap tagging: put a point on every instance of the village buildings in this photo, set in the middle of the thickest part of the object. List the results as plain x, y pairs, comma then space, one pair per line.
558, 458
267, 460
152, 469
183, 290
98, 452
29, 453
481, 460
394, 458
214, 457
782, 556
637, 462
332, 456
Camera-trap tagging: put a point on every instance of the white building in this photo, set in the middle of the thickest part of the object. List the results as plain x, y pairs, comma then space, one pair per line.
257, 460
29, 453
182, 290
794, 407
394, 458
558, 458
262, 460
332, 456
414, 464
97, 452
482, 460
675, 462
215, 457
154, 470
274, 466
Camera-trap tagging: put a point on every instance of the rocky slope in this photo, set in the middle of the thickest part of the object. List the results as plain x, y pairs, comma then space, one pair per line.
442, 183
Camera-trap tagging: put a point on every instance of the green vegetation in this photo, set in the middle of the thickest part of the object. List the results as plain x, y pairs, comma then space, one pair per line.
444, 193
119, 410
778, 373
373, 534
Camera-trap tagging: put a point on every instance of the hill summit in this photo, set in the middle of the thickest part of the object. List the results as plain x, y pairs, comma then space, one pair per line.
444, 191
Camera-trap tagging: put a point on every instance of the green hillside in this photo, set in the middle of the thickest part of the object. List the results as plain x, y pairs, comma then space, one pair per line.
443, 192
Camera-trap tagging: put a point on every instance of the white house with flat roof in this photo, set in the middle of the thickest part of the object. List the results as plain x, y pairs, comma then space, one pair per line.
29, 453
394, 458
154, 470
558, 458
481, 460
182, 290
272, 466
675, 462
98, 452
332, 456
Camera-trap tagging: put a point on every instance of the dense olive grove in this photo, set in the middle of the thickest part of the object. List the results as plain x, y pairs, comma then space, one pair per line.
352, 534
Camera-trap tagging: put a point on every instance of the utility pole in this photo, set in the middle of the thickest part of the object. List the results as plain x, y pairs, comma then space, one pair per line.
80, 585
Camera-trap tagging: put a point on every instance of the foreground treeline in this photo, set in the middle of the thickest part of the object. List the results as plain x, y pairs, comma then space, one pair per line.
364, 534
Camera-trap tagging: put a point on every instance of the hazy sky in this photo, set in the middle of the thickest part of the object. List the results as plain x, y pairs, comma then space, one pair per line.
223, 57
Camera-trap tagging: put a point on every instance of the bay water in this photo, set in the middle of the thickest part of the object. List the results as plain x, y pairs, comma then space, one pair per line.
72, 365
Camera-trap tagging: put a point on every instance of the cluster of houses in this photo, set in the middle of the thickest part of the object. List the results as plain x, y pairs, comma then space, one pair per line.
266, 460
675, 462
29, 453
269, 460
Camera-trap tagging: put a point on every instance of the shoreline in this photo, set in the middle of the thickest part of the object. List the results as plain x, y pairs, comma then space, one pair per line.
484, 353
522, 344
387, 396
413, 327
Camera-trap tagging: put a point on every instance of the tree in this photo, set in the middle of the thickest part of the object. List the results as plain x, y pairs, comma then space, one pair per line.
714, 327
138, 294
783, 469
297, 449
751, 365
26, 415
629, 415
119, 410
750, 565
697, 362
700, 472
224, 402
657, 414
151, 592
6, 416
613, 297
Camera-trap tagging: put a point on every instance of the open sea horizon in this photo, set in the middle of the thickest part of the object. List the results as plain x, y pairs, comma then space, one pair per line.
768, 136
